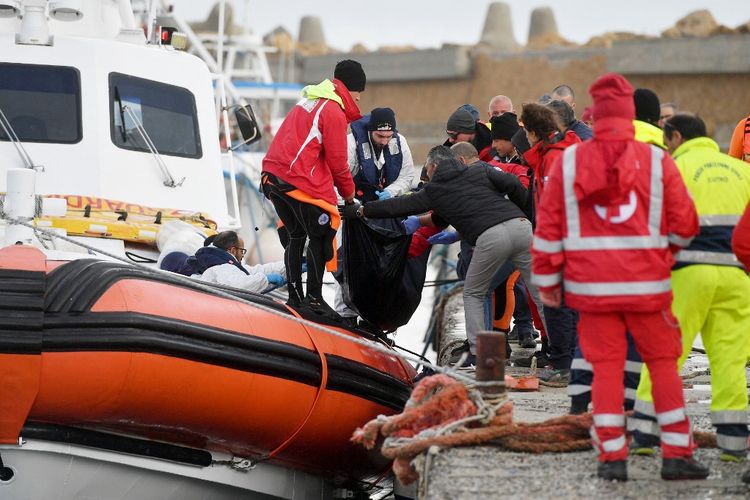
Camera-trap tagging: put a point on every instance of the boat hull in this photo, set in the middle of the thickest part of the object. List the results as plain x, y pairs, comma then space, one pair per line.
111, 348
73, 472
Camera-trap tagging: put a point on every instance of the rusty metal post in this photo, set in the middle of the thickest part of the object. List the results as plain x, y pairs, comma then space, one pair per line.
491, 362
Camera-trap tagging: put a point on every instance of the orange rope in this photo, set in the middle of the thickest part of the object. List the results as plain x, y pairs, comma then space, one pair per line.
440, 400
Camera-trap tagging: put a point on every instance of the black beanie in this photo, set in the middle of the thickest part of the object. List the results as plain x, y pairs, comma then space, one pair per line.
351, 75
647, 107
382, 119
520, 141
504, 126
462, 122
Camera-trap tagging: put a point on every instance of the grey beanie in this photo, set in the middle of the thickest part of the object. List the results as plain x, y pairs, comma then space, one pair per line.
461, 121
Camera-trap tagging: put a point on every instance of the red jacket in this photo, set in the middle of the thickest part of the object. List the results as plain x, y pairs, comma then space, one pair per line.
612, 214
741, 239
309, 151
519, 171
541, 157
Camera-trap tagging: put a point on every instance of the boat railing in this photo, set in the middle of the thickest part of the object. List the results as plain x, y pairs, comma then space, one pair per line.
10, 133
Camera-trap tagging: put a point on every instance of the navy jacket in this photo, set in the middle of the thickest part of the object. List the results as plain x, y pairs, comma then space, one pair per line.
208, 257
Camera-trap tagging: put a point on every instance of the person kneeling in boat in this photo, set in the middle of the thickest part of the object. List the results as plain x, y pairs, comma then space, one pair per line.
485, 206
220, 261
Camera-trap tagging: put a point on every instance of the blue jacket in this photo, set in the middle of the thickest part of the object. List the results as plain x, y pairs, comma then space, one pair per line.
582, 130
368, 172
206, 257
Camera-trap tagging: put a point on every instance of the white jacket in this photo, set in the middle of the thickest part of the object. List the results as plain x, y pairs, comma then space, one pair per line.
229, 275
407, 175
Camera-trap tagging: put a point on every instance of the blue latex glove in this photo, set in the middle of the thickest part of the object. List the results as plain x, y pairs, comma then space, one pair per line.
304, 267
411, 224
444, 238
276, 279
383, 195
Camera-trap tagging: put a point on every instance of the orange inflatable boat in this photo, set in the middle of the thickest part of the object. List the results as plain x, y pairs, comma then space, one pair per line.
107, 355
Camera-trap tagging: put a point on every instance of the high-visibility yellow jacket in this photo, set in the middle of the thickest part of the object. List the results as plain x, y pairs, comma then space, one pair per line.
645, 132
720, 187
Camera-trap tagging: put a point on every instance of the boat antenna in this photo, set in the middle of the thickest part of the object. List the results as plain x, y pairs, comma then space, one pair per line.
10, 133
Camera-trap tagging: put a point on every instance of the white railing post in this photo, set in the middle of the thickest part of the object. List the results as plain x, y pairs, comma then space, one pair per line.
20, 202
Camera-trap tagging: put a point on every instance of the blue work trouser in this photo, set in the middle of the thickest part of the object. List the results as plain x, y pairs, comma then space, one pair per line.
581, 376
561, 325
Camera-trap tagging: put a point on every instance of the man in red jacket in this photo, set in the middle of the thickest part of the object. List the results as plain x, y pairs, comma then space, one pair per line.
613, 212
307, 158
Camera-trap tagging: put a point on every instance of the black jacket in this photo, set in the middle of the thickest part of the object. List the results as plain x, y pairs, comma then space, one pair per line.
471, 199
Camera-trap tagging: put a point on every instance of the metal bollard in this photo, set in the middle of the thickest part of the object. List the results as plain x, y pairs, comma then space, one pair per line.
491, 362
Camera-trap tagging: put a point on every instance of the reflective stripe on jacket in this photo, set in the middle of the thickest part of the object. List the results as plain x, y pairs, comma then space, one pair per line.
720, 188
392, 155
614, 257
309, 150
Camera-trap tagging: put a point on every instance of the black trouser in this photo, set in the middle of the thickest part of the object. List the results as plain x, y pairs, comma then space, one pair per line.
561, 334
302, 222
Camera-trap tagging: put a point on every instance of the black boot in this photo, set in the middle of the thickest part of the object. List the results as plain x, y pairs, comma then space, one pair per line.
578, 405
683, 468
540, 357
349, 322
320, 307
616, 470
526, 340
295, 294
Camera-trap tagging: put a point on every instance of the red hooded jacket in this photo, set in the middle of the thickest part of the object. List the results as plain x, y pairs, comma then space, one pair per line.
613, 212
309, 151
541, 157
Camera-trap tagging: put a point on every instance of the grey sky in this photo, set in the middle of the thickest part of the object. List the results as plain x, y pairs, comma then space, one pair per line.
429, 23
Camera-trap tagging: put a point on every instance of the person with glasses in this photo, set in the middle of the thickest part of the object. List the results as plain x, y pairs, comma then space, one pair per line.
668, 110
220, 261
463, 127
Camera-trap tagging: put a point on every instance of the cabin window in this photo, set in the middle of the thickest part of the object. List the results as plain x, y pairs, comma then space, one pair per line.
42, 103
165, 112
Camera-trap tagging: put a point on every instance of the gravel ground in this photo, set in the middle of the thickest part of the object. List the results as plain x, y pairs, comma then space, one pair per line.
488, 472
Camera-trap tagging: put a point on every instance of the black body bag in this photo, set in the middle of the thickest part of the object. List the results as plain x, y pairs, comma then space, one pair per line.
379, 281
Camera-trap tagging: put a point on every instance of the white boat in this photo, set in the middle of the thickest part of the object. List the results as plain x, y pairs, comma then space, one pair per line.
103, 139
